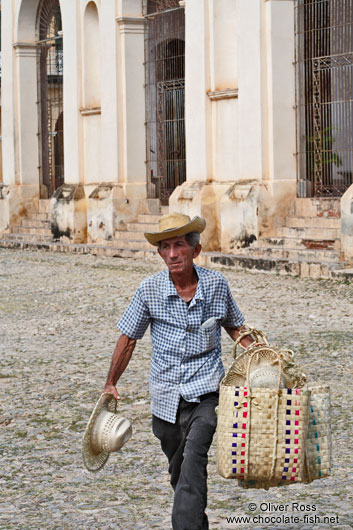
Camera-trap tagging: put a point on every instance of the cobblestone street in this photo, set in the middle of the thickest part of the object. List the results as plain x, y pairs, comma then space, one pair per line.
58, 331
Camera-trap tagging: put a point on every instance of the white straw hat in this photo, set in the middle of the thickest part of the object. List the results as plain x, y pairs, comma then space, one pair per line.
264, 365
265, 377
106, 432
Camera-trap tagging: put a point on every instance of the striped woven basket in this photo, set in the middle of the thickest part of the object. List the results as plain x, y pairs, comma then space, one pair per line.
318, 447
271, 436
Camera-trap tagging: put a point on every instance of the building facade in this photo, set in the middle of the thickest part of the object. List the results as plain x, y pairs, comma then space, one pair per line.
239, 111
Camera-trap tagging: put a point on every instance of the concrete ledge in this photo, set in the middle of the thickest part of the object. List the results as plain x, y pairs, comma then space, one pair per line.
80, 248
213, 260
304, 269
343, 273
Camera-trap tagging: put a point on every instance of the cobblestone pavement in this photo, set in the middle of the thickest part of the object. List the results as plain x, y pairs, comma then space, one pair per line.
58, 318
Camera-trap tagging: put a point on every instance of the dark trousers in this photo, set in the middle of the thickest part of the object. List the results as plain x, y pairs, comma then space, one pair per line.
186, 444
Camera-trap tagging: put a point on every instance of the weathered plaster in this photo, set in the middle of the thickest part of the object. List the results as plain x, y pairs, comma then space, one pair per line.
347, 224
15, 202
68, 213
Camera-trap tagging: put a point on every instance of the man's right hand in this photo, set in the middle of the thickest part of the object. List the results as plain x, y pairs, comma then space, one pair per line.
110, 389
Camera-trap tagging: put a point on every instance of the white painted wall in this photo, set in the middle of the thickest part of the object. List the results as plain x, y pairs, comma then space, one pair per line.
92, 75
8, 100
250, 83
198, 118
239, 51
279, 35
73, 127
132, 147
109, 92
223, 77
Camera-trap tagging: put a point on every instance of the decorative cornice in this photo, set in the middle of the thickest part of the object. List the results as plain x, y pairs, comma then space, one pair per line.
182, 3
227, 93
25, 49
131, 24
90, 111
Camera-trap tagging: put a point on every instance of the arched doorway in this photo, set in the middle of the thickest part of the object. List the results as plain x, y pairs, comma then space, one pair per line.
50, 91
165, 87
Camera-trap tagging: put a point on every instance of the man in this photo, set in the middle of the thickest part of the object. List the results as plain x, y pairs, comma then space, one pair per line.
186, 306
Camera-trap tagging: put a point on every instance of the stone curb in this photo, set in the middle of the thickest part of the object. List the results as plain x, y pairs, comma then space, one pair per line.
303, 269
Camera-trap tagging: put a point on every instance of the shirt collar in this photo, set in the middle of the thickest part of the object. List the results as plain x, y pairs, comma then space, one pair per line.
170, 289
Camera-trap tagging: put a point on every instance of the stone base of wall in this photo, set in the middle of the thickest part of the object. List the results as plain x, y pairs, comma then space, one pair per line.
93, 213
15, 202
347, 225
236, 213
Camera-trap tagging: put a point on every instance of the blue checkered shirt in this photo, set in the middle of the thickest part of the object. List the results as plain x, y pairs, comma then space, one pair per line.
186, 359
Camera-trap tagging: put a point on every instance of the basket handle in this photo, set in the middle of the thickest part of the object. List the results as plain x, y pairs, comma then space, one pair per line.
245, 331
275, 437
251, 357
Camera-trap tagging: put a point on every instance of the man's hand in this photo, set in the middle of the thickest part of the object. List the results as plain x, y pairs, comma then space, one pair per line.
111, 389
234, 334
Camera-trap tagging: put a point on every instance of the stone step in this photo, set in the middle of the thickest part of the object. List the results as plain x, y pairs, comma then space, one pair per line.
42, 216
129, 235
308, 233
148, 218
293, 254
31, 231
142, 227
300, 243
314, 222
208, 259
44, 205
131, 244
320, 207
343, 273
27, 237
304, 269
35, 223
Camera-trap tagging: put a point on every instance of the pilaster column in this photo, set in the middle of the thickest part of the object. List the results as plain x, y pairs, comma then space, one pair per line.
251, 89
198, 134
132, 148
110, 118
223, 89
8, 116
73, 126
26, 69
280, 40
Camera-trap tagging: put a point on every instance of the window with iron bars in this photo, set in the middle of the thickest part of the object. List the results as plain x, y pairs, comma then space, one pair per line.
324, 70
164, 90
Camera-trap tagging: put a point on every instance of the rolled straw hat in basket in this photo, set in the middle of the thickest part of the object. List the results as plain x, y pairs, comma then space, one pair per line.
264, 369
106, 432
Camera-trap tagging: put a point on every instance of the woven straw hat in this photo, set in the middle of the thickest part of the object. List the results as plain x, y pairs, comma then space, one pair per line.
266, 366
265, 376
174, 225
106, 432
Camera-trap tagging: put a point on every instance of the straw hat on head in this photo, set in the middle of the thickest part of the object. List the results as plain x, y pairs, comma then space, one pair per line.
174, 225
106, 432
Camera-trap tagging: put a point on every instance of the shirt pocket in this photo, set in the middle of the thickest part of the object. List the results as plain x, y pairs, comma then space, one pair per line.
208, 337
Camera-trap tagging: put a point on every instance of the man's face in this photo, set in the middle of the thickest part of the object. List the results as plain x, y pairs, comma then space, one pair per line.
178, 255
